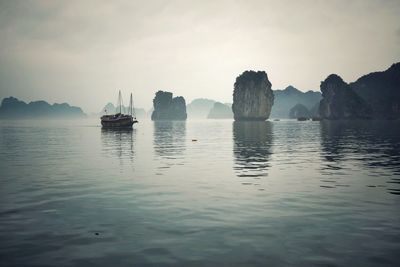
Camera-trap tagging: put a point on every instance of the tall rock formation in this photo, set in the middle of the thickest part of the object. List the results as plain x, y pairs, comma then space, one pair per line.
381, 90
252, 96
339, 101
168, 108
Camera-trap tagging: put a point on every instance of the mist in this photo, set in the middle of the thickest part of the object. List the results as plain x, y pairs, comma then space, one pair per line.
83, 52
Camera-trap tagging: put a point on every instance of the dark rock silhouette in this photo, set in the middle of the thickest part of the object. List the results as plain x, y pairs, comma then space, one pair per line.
339, 101
299, 111
252, 96
285, 99
12, 108
220, 111
199, 108
381, 90
168, 108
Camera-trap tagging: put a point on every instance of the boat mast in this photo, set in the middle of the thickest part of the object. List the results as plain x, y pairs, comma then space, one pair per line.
131, 105
120, 101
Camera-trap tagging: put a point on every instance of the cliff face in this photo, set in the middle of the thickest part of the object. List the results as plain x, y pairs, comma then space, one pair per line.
220, 111
299, 111
381, 90
339, 101
252, 96
12, 108
286, 99
168, 108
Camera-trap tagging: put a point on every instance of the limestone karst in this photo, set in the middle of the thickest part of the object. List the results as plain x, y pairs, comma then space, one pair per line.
252, 96
167, 107
339, 101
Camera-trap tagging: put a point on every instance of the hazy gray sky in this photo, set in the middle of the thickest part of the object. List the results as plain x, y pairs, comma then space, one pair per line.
82, 52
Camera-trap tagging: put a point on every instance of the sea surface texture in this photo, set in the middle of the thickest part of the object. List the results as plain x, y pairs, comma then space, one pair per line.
200, 193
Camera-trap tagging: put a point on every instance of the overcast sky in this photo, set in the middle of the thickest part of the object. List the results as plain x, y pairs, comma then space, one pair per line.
82, 52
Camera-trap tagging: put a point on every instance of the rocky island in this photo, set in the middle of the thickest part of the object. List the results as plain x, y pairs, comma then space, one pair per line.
287, 98
381, 90
199, 108
12, 108
252, 96
299, 111
220, 111
339, 101
167, 107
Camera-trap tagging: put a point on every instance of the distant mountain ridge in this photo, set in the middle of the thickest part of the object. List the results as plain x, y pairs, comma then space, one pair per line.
290, 97
199, 108
220, 111
12, 108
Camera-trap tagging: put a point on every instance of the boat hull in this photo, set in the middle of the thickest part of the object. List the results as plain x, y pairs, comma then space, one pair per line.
118, 123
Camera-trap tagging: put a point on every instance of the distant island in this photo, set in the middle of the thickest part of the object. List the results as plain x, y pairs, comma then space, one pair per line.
220, 111
199, 108
12, 108
290, 97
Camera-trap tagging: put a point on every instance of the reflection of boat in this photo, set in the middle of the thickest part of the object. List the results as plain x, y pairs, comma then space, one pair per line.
120, 120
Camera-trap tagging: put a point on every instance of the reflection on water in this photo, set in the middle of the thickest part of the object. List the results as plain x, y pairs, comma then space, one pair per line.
118, 142
252, 148
370, 145
75, 195
169, 141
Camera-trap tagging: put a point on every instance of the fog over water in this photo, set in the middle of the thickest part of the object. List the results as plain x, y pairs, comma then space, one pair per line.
81, 52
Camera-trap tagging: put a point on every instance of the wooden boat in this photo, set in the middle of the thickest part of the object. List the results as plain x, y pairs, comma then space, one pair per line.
302, 119
120, 120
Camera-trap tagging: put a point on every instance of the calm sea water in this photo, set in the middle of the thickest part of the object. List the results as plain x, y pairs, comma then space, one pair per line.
282, 193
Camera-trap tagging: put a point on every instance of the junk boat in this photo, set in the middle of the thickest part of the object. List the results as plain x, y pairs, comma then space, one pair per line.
120, 120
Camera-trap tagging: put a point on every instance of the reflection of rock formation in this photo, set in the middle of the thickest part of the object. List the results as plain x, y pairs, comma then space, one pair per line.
169, 138
168, 108
252, 147
339, 101
118, 142
252, 96
299, 111
374, 144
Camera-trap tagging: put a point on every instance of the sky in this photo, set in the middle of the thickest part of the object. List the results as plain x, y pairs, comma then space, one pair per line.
83, 52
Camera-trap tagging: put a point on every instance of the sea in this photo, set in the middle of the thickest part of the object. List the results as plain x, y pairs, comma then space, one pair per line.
200, 193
